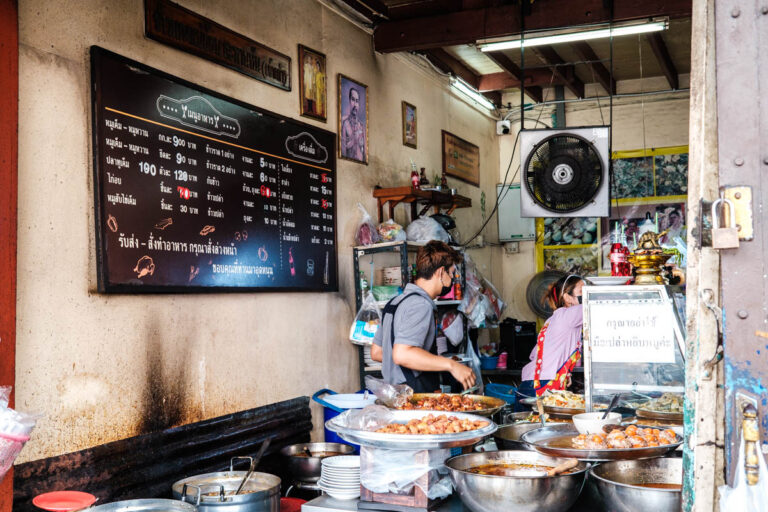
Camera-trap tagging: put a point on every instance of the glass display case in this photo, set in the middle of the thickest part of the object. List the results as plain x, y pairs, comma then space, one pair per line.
633, 342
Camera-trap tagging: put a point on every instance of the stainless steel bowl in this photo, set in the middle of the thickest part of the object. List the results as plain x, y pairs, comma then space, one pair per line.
307, 469
508, 436
148, 505
488, 493
614, 484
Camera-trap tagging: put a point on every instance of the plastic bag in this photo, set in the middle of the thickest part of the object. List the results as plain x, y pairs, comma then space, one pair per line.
5, 395
481, 301
15, 428
366, 322
743, 496
391, 395
452, 325
397, 471
369, 418
474, 363
391, 231
366, 233
425, 229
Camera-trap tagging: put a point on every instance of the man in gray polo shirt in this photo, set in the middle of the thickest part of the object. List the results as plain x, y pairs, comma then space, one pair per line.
405, 343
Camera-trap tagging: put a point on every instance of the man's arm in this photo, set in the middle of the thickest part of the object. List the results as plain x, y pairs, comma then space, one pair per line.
377, 354
416, 358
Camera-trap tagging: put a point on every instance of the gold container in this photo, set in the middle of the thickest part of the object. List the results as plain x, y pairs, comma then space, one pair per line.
648, 267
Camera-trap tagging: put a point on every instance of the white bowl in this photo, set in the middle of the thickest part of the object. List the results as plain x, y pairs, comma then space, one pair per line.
592, 422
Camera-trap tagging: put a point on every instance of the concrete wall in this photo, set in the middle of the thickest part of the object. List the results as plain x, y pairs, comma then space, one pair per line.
105, 367
666, 124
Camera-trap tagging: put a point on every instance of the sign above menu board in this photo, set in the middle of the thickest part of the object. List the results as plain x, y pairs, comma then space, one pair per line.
196, 191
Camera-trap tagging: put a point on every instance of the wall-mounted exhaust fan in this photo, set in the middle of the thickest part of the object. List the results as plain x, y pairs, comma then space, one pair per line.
565, 172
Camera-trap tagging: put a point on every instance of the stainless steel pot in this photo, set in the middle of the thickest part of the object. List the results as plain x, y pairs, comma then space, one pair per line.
489, 493
614, 484
215, 492
154, 505
307, 469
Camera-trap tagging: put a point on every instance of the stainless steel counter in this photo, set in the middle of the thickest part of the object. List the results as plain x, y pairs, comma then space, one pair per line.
328, 504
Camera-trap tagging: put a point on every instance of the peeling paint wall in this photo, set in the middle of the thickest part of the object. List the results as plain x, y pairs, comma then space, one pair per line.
104, 367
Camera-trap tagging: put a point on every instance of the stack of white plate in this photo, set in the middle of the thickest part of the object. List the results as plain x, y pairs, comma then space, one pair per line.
340, 477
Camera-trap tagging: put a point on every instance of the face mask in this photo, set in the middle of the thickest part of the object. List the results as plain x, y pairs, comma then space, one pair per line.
579, 297
446, 289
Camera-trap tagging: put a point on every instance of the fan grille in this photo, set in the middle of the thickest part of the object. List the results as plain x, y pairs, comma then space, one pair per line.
563, 173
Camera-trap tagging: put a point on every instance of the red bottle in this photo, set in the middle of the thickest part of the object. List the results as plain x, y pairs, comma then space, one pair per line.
415, 179
618, 254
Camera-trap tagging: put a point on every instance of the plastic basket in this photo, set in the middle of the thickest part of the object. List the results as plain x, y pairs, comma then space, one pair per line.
10, 447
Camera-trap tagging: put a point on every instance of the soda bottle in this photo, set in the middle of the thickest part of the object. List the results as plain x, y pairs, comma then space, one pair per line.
617, 255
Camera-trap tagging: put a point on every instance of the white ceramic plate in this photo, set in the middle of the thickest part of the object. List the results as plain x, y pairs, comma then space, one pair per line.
341, 461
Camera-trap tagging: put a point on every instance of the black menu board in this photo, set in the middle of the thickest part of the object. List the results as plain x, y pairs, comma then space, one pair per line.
196, 191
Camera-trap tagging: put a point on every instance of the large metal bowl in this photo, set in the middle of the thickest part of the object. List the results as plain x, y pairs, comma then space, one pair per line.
507, 437
491, 405
307, 469
146, 505
412, 442
614, 484
489, 493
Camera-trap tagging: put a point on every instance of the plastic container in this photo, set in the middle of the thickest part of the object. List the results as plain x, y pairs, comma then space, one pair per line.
503, 391
291, 504
334, 404
488, 363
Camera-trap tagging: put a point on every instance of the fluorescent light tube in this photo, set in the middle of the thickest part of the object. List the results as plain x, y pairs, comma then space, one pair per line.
474, 95
654, 26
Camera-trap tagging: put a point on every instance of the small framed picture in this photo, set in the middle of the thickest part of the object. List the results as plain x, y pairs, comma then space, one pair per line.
353, 120
313, 92
409, 125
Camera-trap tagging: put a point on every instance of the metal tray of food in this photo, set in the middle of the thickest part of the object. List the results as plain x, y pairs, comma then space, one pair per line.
413, 442
490, 404
570, 411
659, 415
540, 440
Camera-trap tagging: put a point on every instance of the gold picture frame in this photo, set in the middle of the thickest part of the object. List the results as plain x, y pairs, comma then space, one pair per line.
410, 126
353, 120
313, 84
461, 159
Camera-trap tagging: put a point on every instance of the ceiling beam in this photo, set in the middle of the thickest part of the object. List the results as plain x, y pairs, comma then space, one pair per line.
665, 61
570, 80
374, 10
603, 76
514, 71
449, 64
471, 25
445, 62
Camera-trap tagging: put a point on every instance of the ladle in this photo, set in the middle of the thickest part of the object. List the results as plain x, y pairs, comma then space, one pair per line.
254, 463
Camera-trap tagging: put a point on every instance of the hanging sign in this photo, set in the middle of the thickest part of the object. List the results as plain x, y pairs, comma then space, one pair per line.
186, 30
639, 332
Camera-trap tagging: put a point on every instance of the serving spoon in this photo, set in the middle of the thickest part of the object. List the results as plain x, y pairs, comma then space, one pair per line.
612, 406
254, 463
553, 471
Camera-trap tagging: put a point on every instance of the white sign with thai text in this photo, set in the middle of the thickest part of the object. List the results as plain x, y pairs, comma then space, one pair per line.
637, 333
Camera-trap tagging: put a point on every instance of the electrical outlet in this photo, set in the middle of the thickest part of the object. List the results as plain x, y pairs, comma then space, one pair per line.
512, 247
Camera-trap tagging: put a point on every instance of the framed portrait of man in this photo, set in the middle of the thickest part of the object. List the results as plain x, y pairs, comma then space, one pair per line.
353, 120
409, 125
313, 91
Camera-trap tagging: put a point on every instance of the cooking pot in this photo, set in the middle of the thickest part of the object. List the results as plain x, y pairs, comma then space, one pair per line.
215, 492
153, 505
307, 469
617, 484
491, 493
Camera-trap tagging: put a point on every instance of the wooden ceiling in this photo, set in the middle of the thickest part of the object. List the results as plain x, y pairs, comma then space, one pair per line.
446, 33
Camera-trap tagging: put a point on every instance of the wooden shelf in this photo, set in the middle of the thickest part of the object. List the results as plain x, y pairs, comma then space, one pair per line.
409, 195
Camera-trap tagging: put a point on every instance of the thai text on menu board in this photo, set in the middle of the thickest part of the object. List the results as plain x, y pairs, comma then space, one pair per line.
195, 190
631, 332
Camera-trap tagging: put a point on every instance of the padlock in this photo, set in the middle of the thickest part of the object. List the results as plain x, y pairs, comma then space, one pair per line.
727, 237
